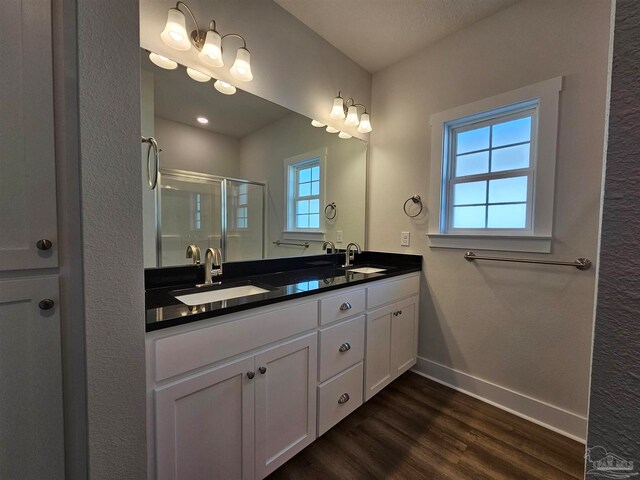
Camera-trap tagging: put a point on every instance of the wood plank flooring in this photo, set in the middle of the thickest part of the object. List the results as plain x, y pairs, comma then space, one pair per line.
418, 429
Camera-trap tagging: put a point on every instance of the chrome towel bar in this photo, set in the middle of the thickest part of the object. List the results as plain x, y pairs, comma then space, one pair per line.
305, 244
580, 263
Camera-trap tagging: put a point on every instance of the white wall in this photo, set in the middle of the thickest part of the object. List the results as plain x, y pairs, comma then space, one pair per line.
525, 329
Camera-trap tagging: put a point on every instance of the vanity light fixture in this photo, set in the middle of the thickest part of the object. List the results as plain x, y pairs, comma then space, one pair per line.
224, 87
332, 130
349, 111
197, 75
344, 135
202, 120
208, 44
318, 124
162, 62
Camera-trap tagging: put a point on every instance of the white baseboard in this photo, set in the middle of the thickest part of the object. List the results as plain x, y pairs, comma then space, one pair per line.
549, 416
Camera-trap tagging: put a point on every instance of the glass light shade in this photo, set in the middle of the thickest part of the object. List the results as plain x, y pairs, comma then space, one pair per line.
162, 62
365, 124
316, 123
175, 31
202, 120
224, 87
338, 108
352, 116
198, 76
241, 68
332, 130
211, 53
344, 135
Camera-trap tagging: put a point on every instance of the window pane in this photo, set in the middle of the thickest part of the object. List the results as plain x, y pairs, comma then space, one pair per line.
471, 140
304, 190
302, 221
472, 164
314, 221
514, 131
242, 212
315, 174
242, 199
303, 206
507, 216
508, 190
314, 206
468, 217
304, 175
315, 188
470, 193
510, 158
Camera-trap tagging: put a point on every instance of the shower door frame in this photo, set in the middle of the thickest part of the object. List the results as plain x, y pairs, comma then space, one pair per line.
186, 175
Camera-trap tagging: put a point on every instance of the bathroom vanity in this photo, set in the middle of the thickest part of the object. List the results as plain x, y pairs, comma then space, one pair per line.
237, 387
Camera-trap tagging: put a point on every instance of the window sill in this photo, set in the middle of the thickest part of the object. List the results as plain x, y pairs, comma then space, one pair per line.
505, 243
314, 236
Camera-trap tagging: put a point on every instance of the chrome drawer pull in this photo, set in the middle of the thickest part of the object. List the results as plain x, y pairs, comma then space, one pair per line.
344, 398
344, 347
345, 306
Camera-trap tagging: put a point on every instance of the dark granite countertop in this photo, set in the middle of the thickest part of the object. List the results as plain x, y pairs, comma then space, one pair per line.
284, 279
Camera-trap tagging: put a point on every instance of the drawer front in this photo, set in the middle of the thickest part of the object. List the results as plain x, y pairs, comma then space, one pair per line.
187, 351
339, 397
387, 292
341, 306
341, 346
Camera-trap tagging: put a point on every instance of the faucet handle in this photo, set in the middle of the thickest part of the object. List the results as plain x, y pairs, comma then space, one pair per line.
193, 251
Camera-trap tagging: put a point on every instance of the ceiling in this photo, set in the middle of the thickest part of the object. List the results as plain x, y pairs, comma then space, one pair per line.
378, 33
179, 98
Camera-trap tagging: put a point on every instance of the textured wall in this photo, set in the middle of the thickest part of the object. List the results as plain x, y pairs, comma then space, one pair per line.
614, 411
109, 116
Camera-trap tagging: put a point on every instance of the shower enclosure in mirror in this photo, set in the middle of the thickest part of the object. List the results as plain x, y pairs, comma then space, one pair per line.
244, 174
208, 211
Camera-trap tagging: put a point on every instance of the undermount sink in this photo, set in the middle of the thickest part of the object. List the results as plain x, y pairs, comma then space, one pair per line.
367, 270
219, 294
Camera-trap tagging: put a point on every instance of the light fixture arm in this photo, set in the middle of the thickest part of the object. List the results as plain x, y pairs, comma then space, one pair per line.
360, 105
195, 22
244, 42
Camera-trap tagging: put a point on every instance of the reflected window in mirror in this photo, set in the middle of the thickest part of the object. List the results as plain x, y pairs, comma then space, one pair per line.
305, 191
240, 200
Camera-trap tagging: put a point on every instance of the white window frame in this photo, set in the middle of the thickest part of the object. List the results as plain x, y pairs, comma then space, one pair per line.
538, 236
290, 166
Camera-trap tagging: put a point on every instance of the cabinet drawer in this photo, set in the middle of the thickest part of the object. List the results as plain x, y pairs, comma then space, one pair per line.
387, 292
339, 397
342, 306
341, 346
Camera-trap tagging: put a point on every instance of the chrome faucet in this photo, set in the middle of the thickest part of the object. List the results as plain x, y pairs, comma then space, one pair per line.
193, 251
349, 255
212, 259
329, 244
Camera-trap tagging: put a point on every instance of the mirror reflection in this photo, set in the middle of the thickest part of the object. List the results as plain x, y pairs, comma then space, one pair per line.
242, 174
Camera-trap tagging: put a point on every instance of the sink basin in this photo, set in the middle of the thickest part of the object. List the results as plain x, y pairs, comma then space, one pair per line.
219, 294
367, 270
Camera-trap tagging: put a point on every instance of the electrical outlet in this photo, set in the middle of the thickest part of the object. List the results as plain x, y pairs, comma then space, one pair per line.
339, 236
404, 239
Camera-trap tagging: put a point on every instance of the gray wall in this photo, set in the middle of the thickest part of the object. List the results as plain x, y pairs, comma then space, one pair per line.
109, 121
614, 410
518, 335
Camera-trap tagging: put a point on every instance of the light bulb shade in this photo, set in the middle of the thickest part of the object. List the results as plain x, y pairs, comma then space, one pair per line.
175, 31
197, 76
352, 116
344, 135
162, 62
241, 68
211, 52
316, 123
224, 87
338, 108
365, 124
332, 130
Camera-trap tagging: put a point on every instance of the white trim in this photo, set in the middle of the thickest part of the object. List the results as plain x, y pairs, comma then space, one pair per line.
505, 243
549, 416
544, 157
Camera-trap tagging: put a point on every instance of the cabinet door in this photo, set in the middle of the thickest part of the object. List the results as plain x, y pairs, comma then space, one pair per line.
204, 425
31, 422
285, 402
27, 165
404, 335
378, 370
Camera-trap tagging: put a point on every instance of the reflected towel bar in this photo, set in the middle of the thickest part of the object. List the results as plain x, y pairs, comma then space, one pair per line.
580, 263
305, 244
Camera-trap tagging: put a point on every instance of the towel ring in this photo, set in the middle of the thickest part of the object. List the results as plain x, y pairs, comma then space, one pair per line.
331, 208
414, 199
152, 179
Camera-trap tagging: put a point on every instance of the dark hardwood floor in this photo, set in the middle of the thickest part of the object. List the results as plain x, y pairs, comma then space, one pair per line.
418, 429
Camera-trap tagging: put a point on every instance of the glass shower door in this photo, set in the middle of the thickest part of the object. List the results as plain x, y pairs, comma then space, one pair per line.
244, 235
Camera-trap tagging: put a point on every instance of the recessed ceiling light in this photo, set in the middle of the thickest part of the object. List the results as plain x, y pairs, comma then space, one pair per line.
203, 120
